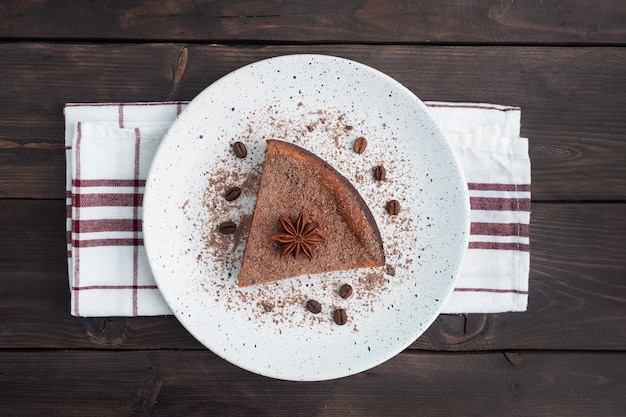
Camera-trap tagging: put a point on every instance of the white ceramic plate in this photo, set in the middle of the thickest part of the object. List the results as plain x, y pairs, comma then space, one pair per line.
322, 103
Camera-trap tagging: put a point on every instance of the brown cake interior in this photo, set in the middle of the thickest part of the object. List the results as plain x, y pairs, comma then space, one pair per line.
294, 180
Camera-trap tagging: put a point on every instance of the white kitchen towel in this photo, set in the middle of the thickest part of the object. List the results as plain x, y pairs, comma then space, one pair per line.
109, 147
486, 140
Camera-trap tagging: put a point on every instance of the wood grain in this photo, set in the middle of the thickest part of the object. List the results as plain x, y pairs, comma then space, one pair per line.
432, 21
562, 61
578, 264
190, 383
577, 292
571, 99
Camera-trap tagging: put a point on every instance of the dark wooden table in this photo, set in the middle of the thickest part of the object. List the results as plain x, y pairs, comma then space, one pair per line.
562, 61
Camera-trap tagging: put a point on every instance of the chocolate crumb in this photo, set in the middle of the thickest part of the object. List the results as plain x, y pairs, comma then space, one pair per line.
267, 306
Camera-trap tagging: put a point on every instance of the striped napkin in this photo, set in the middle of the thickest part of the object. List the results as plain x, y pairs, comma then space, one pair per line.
109, 148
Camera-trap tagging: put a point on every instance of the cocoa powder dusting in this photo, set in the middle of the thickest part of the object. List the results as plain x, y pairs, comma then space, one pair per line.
328, 133
373, 281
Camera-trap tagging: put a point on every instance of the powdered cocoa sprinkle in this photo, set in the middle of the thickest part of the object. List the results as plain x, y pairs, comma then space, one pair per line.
328, 133
266, 305
373, 281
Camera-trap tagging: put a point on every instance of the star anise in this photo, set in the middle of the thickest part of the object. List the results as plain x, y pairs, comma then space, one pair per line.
298, 237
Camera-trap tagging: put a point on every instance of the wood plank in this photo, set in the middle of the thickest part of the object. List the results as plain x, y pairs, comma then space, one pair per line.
190, 383
432, 21
578, 259
577, 293
572, 100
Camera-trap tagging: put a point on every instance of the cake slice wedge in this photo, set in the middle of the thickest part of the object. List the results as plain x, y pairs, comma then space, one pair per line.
308, 219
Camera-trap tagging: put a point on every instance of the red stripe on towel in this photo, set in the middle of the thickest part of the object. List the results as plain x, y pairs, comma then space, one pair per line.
106, 225
115, 287
472, 106
136, 221
500, 229
480, 186
109, 183
91, 243
77, 217
108, 200
120, 115
495, 290
500, 204
521, 247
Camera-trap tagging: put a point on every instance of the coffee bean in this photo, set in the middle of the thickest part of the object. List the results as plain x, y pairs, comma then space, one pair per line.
313, 306
380, 173
240, 149
345, 291
340, 316
393, 207
360, 144
232, 193
227, 228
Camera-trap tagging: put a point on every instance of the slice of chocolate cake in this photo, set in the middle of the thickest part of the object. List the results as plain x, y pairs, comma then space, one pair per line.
308, 219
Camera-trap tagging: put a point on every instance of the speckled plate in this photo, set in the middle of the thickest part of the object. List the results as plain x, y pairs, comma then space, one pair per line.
323, 104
